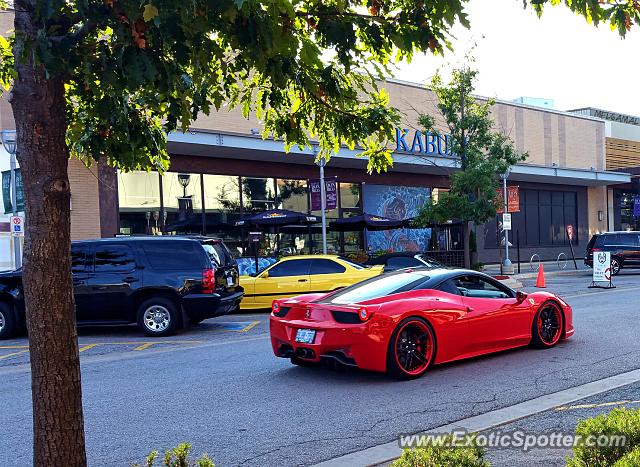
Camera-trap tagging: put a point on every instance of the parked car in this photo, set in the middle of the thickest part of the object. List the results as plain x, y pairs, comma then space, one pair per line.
400, 260
160, 283
297, 275
623, 246
406, 321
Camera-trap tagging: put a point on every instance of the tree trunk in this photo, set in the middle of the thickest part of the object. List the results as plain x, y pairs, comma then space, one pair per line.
38, 106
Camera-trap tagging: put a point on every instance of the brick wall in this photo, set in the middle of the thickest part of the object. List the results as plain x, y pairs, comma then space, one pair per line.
85, 205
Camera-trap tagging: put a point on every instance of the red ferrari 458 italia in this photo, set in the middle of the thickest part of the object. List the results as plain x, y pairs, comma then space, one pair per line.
404, 322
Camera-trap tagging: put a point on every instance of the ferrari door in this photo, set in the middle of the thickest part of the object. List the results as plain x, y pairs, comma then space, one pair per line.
495, 319
282, 280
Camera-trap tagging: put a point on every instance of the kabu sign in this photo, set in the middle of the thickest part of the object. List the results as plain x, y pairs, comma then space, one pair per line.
430, 144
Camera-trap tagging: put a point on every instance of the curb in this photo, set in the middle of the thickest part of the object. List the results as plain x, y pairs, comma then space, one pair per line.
387, 452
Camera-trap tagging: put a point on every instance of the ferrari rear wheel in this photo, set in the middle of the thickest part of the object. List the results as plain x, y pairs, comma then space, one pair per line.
412, 349
547, 325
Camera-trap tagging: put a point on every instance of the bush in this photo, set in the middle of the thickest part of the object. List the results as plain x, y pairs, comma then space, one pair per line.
178, 457
619, 421
443, 456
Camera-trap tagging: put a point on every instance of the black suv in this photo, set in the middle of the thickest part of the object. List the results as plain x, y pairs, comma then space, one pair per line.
624, 248
160, 283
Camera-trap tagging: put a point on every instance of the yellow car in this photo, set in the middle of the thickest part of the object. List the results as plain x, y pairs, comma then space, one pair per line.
297, 275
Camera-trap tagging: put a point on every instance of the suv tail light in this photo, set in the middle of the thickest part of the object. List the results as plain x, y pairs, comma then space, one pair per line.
208, 280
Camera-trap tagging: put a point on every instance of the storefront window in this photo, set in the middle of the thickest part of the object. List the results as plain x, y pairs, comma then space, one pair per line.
182, 202
292, 195
627, 220
139, 200
259, 194
222, 208
350, 195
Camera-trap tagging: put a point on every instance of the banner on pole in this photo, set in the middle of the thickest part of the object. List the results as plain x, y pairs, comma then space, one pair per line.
513, 199
331, 193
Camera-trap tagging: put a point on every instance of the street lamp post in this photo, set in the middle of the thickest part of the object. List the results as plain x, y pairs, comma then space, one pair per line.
507, 266
323, 198
8, 139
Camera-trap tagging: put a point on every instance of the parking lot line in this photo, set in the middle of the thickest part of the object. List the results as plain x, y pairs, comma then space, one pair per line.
86, 347
13, 354
14, 346
145, 346
593, 406
251, 326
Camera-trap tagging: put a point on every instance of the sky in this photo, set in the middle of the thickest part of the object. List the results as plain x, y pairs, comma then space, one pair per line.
560, 57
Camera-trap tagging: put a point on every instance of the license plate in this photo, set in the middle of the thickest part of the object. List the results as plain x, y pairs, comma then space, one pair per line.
305, 336
230, 281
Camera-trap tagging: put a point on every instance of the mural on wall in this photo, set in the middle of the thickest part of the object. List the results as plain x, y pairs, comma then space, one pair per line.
396, 202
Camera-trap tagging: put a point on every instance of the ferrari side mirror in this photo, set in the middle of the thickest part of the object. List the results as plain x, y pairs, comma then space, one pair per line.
520, 296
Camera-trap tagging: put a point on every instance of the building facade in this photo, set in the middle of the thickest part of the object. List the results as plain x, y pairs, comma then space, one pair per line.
222, 169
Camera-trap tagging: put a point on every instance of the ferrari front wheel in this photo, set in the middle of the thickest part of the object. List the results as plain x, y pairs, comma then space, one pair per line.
547, 326
412, 349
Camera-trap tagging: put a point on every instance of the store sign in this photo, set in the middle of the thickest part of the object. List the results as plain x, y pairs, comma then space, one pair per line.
601, 266
513, 199
6, 191
331, 193
427, 143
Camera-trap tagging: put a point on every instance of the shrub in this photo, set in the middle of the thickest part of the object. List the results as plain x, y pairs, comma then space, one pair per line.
446, 455
178, 457
619, 421
630, 459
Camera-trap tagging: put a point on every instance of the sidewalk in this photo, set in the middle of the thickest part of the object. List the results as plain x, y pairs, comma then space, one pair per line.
550, 269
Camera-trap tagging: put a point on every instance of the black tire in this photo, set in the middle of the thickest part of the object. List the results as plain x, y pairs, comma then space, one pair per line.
397, 353
547, 330
8, 324
164, 323
616, 266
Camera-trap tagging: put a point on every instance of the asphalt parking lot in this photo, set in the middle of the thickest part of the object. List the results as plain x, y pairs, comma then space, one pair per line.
115, 341
218, 386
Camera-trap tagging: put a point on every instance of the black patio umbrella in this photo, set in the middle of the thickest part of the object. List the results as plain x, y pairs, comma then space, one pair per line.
365, 222
276, 217
194, 223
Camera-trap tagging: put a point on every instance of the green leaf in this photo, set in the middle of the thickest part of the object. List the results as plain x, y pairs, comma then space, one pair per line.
149, 12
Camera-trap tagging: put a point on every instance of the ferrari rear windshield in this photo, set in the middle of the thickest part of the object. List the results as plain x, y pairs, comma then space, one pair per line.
377, 287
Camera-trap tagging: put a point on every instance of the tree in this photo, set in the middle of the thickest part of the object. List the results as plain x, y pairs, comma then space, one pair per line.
484, 155
107, 79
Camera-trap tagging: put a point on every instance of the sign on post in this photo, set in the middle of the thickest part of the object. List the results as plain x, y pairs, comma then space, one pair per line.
17, 226
570, 236
602, 269
570, 232
506, 221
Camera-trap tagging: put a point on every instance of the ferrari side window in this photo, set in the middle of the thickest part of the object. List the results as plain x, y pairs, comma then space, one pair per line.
449, 287
478, 287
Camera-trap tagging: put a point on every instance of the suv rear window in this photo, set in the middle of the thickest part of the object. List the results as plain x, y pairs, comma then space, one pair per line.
172, 255
218, 253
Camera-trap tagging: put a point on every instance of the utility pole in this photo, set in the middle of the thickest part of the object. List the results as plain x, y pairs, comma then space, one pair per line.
323, 198
507, 266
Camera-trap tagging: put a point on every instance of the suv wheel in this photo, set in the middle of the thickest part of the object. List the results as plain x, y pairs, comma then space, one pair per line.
7, 321
158, 317
615, 266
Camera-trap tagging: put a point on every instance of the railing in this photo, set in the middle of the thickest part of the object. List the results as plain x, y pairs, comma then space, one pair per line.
453, 258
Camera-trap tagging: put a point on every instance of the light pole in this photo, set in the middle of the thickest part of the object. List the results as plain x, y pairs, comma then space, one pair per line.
507, 266
8, 139
323, 197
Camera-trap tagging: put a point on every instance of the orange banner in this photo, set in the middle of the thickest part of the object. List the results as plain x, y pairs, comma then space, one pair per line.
513, 199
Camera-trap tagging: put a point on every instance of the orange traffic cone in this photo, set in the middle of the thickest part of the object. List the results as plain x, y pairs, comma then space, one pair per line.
540, 282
